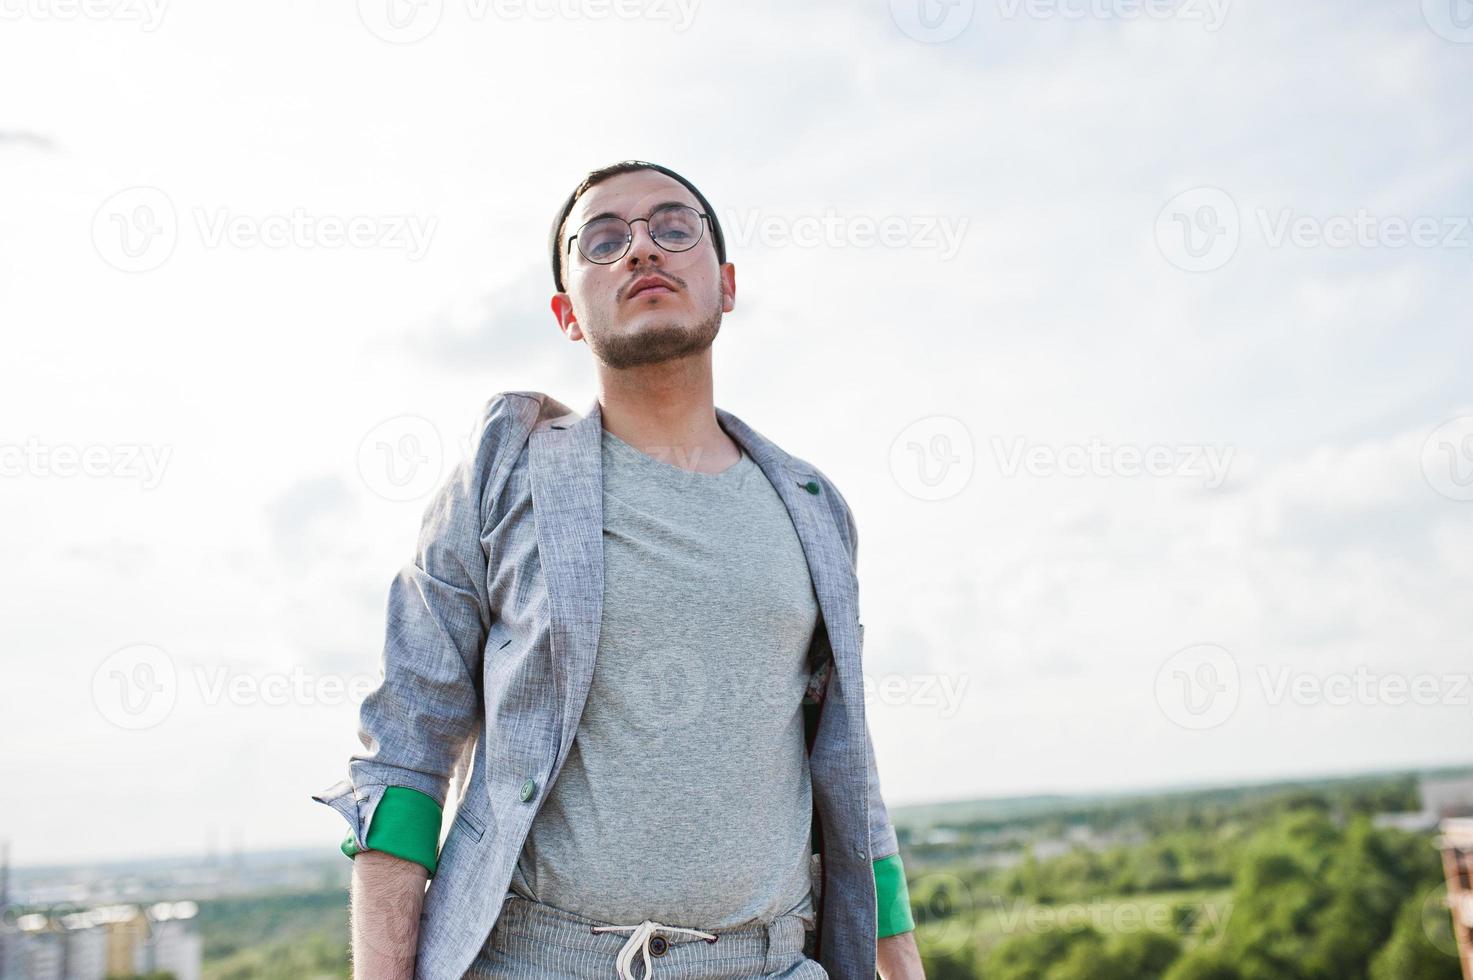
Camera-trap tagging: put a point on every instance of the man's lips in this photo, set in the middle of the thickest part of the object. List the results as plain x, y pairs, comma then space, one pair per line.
650, 286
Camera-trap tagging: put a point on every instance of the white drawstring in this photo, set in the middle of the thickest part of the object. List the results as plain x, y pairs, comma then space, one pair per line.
639, 941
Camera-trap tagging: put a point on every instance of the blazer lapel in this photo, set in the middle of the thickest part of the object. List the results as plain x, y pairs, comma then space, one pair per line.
834, 580
567, 502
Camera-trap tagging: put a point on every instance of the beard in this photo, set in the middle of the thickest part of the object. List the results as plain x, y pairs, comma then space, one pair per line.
657, 340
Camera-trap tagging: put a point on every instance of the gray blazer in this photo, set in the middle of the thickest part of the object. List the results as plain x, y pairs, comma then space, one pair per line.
490, 643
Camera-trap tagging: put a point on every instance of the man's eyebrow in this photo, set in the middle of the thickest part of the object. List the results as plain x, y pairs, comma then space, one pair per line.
611, 214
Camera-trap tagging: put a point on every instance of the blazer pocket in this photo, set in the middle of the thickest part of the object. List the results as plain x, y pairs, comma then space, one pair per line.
468, 822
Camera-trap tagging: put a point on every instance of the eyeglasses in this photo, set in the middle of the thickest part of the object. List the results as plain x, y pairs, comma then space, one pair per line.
673, 227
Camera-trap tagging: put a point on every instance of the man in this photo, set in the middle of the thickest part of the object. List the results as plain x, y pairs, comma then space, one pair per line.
632, 638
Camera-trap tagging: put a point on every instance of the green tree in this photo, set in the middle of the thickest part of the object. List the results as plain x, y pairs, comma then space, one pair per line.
1418, 947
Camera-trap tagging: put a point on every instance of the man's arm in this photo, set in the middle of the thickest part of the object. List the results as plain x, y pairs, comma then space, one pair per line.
417, 723
896, 953
387, 895
898, 958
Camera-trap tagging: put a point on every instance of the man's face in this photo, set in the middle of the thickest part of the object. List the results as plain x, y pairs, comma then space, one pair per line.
624, 325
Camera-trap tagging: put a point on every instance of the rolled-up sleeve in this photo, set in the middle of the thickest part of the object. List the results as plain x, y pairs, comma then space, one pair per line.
425, 711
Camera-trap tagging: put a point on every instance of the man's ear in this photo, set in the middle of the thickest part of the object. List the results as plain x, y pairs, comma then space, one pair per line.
567, 320
728, 287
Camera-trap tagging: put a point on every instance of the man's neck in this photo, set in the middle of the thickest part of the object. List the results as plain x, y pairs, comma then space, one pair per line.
667, 411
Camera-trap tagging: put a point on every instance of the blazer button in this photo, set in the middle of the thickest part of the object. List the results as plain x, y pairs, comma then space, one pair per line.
529, 788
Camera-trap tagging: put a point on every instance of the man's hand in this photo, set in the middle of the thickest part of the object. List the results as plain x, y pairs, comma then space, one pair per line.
388, 893
899, 958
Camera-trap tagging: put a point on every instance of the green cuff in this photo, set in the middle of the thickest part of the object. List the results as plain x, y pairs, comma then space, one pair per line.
406, 824
892, 897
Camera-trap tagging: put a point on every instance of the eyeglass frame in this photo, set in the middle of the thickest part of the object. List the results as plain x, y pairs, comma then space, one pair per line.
629, 241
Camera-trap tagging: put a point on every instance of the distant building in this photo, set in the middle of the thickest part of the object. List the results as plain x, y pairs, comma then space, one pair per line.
176, 945
107, 941
1441, 799
86, 946
35, 950
1456, 844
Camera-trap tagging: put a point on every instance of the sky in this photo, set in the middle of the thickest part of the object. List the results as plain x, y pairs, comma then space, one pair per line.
1134, 332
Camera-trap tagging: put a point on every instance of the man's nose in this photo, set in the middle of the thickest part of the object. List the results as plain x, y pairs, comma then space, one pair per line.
642, 245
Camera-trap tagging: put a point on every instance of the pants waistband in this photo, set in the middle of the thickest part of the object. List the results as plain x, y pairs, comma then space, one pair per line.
525, 918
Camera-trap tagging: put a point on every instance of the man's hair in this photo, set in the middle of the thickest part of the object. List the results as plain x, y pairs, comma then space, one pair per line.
614, 170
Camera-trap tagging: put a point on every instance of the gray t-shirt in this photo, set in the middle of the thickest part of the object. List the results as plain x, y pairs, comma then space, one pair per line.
686, 795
